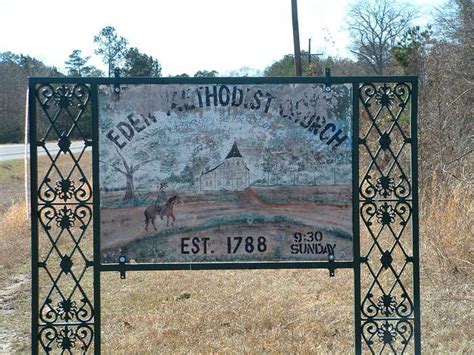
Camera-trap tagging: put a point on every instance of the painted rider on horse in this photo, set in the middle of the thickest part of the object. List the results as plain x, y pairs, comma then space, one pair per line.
161, 198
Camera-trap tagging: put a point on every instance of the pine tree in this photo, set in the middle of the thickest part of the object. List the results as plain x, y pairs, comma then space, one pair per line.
140, 64
77, 65
111, 47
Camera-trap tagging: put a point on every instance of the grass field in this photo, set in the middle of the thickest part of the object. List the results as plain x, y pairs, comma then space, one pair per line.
279, 311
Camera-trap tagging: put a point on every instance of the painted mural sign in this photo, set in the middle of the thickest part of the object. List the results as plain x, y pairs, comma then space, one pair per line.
224, 172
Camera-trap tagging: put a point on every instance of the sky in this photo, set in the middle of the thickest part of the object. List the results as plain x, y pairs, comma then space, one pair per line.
184, 35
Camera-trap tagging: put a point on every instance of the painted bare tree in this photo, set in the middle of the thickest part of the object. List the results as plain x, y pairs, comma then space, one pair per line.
128, 170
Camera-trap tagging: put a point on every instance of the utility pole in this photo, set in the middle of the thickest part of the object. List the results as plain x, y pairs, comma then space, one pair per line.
296, 38
309, 50
310, 56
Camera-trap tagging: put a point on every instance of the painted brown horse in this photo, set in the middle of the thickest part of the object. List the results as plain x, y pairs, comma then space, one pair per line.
167, 210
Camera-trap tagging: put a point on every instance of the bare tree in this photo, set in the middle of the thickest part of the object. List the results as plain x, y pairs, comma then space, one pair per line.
455, 22
446, 106
376, 26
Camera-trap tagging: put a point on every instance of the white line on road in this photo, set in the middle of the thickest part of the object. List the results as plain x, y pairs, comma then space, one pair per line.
17, 151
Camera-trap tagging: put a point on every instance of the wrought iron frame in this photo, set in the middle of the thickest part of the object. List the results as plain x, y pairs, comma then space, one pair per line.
385, 205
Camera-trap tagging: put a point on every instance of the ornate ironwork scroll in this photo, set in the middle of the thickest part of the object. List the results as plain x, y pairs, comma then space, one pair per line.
389, 299
64, 310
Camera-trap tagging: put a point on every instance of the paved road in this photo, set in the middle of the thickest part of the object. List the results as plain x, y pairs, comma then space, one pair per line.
17, 151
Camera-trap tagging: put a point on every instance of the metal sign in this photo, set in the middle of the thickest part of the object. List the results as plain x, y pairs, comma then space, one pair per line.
224, 173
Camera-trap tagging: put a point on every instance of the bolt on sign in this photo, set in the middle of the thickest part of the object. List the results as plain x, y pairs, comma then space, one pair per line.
225, 172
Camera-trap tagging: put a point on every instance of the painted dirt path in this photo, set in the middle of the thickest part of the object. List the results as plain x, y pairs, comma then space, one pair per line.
121, 226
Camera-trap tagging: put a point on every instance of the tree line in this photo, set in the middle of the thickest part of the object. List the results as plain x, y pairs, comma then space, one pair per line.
110, 46
384, 41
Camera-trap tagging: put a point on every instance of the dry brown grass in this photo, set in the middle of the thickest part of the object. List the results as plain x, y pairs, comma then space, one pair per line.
281, 311
447, 215
447, 231
14, 279
15, 242
278, 311
12, 183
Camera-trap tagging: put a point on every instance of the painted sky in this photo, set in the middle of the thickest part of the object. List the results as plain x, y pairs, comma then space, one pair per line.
184, 35
177, 140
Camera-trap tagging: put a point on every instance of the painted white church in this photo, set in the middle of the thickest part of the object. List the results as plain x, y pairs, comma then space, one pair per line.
231, 175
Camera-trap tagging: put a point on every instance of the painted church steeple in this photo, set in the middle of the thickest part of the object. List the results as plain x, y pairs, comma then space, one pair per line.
234, 152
